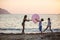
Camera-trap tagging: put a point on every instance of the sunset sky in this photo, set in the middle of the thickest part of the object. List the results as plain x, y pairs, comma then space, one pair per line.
31, 6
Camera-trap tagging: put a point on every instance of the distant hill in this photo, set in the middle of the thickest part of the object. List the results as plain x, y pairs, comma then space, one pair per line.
3, 11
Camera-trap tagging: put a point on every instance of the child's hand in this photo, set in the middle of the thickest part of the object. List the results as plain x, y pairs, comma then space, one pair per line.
37, 20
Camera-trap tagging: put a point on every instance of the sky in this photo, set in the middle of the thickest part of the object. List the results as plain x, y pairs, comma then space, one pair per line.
31, 6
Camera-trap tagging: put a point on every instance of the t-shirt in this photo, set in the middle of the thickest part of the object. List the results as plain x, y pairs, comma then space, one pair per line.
40, 23
49, 23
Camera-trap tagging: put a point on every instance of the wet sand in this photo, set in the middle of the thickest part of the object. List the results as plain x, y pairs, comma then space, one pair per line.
30, 36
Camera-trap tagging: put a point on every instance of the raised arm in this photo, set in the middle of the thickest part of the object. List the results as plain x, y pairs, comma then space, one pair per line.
28, 20
37, 20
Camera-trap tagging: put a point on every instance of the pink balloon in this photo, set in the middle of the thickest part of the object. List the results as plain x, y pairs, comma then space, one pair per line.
34, 17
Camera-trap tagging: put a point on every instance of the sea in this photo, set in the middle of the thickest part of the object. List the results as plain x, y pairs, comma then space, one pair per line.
11, 23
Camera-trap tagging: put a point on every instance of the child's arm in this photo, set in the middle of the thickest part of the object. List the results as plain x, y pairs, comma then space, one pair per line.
27, 19
37, 20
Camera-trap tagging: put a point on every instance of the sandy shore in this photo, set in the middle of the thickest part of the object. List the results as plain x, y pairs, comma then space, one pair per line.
31, 36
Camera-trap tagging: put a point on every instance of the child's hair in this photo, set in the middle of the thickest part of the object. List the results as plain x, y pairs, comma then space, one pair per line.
25, 16
48, 18
42, 19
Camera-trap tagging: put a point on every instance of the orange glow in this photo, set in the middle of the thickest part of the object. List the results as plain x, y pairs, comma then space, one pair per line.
31, 6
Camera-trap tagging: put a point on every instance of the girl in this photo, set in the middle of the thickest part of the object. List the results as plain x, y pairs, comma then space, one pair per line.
23, 23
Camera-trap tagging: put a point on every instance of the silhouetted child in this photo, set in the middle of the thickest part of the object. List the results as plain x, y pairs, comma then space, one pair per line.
48, 25
23, 23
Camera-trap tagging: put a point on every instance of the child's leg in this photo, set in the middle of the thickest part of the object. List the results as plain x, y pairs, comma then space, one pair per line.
46, 28
23, 29
40, 28
51, 29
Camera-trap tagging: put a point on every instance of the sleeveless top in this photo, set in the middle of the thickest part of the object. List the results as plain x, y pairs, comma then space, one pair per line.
40, 23
49, 23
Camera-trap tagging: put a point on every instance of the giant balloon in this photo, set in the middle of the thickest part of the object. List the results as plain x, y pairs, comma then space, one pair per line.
34, 17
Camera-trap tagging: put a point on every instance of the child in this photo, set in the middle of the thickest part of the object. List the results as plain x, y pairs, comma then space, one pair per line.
40, 25
23, 23
49, 25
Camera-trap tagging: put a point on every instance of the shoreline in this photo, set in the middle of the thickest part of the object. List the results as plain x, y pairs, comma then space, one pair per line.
31, 33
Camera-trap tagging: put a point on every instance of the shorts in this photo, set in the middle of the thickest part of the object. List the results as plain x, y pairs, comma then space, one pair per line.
40, 28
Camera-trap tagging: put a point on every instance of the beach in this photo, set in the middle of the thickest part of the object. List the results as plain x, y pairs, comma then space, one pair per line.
30, 36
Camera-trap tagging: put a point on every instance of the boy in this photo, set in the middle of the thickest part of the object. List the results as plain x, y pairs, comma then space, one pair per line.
40, 25
49, 25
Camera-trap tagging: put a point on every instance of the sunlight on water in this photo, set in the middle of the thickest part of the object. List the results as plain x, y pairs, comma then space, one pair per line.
15, 20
